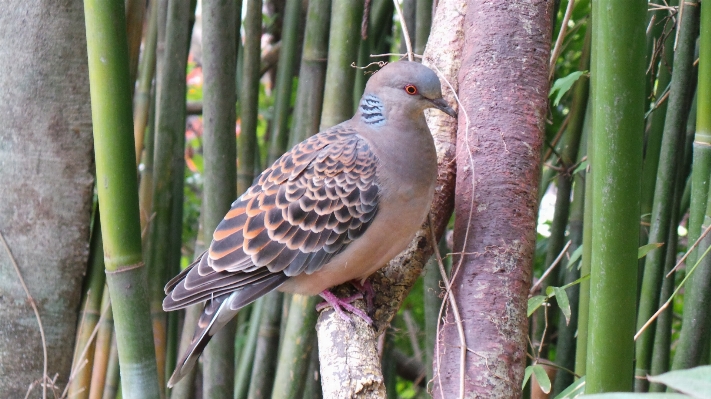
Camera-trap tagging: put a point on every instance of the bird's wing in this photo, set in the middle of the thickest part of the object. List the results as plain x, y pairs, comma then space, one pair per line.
303, 210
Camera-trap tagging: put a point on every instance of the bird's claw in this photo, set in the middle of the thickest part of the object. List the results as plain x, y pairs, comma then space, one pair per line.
339, 304
368, 292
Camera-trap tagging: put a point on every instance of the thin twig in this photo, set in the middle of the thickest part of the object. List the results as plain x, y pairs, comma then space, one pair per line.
396, 55
405, 33
691, 248
666, 304
550, 268
558, 134
559, 40
412, 334
678, 24
545, 329
34, 308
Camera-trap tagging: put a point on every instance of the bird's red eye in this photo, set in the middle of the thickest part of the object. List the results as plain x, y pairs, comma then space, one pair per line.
411, 89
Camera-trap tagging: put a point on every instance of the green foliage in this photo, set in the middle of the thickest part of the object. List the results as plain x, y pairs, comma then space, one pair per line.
563, 85
541, 377
645, 249
574, 390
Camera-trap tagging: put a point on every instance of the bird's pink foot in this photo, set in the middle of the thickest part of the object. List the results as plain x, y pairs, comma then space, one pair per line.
339, 304
367, 290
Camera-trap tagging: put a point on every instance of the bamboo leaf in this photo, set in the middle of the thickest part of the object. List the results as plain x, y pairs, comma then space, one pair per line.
574, 390
535, 303
563, 302
575, 256
542, 378
645, 249
526, 375
695, 382
562, 85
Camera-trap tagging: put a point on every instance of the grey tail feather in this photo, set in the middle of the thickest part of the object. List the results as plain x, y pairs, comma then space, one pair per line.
216, 313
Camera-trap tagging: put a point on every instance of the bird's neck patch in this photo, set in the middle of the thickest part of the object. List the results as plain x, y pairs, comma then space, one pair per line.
371, 110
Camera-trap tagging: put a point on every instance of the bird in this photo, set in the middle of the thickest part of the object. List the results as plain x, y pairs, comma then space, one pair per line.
335, 208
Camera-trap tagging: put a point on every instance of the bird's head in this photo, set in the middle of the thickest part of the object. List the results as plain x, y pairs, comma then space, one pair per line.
411, 85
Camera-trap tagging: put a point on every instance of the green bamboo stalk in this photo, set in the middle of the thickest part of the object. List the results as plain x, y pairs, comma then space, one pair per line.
409, 10
111, 383
135, 13
244, 370
185, 388
654, 138
285, 307
241, 334
295, 353
312, 73
568, 157
388, 364
160, 46
361, 78
168, 170
171, 346
662, 334
90, 313
701, 169
566, 344
146, 70
342, 52
655, 17
672, 150
618, 127
423, 23
220, 175
697, 300
118, 194
581, 344
381, 19
104, 338
265, 353
313, 390
689, 148
285, 75
145, 189
379, 15
249, 98
694, 333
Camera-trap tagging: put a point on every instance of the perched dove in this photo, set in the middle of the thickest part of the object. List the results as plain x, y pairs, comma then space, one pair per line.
335, 208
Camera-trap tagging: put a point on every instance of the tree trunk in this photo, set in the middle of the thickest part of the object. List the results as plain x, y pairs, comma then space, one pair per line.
504, 84
45, 186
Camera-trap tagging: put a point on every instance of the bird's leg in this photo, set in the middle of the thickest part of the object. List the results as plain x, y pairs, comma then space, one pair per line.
339, 304
367, 290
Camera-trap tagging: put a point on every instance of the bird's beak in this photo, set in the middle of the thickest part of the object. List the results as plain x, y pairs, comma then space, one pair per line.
442, 105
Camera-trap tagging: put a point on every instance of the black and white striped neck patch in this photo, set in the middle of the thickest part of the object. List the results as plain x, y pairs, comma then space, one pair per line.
371, 109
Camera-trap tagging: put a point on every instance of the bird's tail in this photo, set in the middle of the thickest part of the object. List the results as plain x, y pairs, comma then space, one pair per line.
217, 312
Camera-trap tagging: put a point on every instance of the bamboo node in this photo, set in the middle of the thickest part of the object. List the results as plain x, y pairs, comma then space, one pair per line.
126, 268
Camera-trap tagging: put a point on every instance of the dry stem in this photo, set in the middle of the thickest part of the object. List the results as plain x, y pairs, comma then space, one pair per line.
559, 40
37, 315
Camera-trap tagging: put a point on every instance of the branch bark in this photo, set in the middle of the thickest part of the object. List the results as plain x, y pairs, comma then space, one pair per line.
504, 70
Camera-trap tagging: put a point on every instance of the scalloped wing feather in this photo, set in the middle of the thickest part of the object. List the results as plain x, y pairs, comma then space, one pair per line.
301, 212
